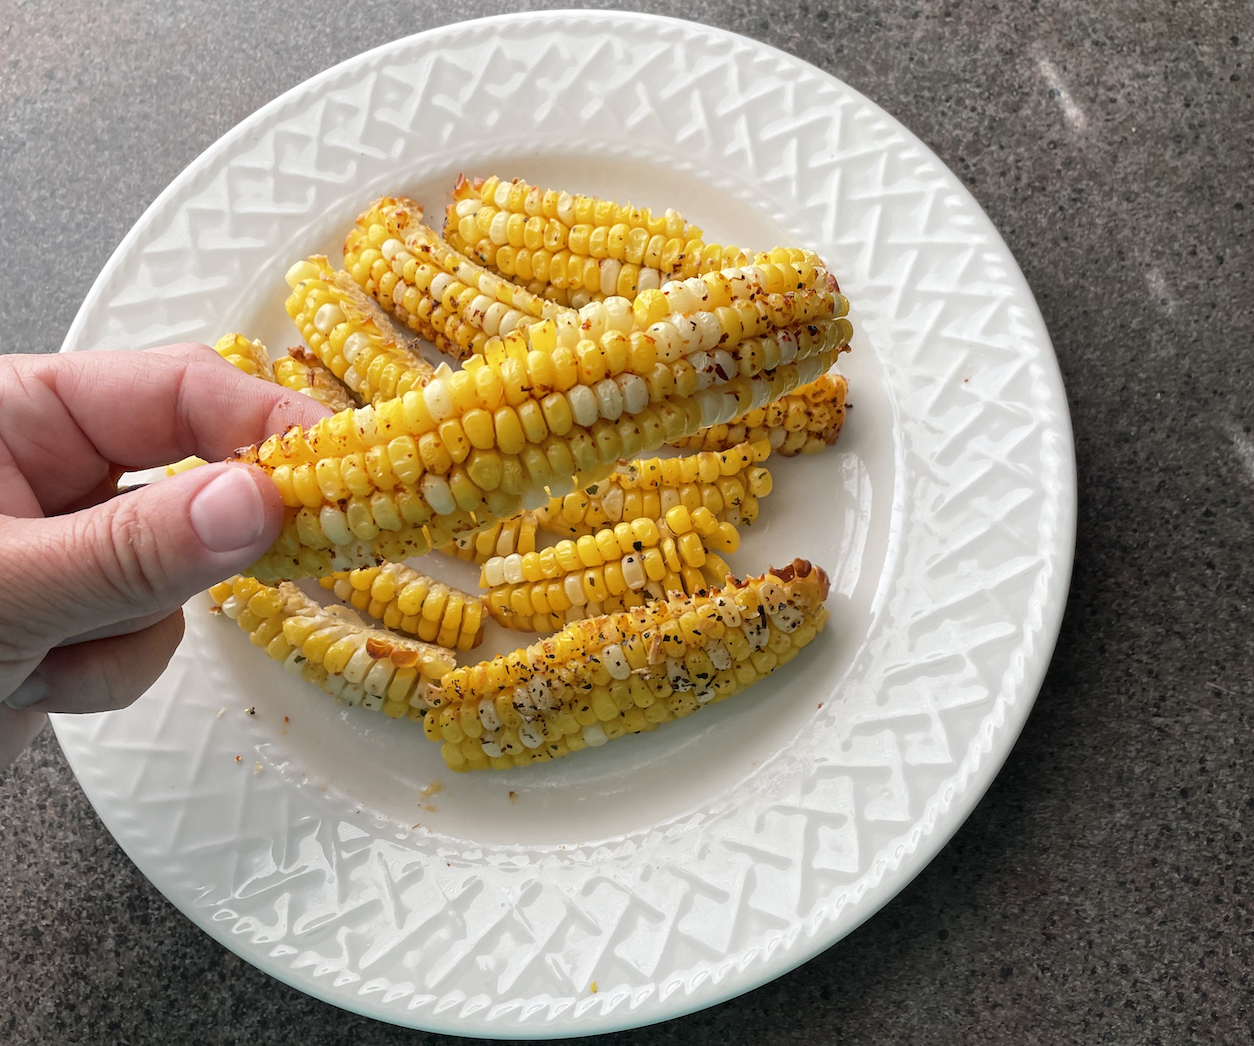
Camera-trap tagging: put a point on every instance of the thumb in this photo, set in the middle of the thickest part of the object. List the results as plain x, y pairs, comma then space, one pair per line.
143, 552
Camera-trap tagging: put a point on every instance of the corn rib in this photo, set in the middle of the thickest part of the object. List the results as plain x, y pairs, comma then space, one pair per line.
649, 488
575, 249
333, 648
604, 677
405, 600
348, 331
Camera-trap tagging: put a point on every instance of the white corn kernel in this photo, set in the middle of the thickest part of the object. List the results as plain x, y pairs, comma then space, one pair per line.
327, 318
615, 661
594, 735
494, 571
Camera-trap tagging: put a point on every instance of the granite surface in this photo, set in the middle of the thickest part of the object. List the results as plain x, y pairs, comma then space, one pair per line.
1099, 893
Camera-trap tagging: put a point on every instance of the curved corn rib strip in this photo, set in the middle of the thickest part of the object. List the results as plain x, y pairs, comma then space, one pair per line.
614, 569
624, 673
360, 343
803, 422
576, 248
302, 371
408, 601
332, 647
428, 286
649, 488
249, 356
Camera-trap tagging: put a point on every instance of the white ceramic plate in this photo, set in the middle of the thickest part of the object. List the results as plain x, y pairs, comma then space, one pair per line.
672, 870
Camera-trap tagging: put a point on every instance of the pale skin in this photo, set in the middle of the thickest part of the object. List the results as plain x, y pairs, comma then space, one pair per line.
91, 582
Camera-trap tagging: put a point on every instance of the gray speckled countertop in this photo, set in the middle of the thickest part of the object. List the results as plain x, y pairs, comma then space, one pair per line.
1099, 892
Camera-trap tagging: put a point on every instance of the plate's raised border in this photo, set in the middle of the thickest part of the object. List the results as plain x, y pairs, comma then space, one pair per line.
966, 618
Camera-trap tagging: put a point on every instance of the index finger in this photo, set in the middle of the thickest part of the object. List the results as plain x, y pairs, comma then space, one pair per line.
65, 418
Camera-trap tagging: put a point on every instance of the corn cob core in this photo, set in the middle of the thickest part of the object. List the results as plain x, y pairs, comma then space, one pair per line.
408, 601
333, 648
348, 331
576, 248
614, 569
649, 488
301, 371
249, 356
803, 422
624, 673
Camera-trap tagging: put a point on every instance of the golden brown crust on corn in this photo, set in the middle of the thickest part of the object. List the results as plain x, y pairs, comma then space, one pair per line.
624, 673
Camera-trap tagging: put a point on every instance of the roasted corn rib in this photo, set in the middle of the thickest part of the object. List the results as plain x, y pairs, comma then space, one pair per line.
249, 356
649, 488
428, 286
550, 405
575, 249
614, 569
302, 371
408, 601
624, 673
363, 347
803, 422
334, 648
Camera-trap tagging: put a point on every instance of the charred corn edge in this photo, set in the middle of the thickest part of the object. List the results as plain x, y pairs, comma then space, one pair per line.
247, 355
803, 422
333, 647
406, 600
598, 679
302, 371
361, 345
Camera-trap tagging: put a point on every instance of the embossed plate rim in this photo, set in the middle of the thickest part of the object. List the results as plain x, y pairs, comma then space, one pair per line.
928, 838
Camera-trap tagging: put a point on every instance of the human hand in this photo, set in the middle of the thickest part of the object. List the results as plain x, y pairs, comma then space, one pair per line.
90, 583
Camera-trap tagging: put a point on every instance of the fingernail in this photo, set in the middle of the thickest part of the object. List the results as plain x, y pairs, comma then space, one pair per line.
32, 689
229, 513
